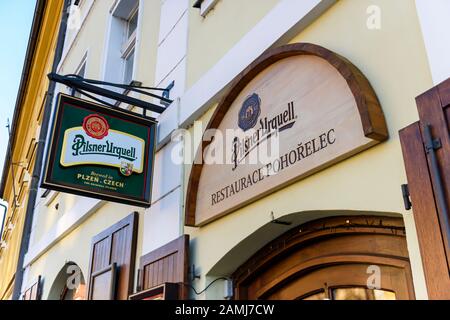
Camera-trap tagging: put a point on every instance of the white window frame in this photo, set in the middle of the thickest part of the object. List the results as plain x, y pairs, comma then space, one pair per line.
134, 12
125, 56
206, 6
82, 64
118, 45
129, 44
80, 3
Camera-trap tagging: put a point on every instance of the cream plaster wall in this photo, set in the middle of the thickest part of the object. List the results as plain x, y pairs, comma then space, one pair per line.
212, 36
75, 244
148, 42
90, 38
394, 60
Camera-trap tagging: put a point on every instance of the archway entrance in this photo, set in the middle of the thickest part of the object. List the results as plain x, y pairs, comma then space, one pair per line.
69, 284
363, 257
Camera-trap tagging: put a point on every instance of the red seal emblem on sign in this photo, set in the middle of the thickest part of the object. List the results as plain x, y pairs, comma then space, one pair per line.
96, 126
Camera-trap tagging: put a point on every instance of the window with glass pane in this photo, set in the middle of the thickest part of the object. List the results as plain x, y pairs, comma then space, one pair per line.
315, 296
81, 72
129, 62
362, 294
132, 24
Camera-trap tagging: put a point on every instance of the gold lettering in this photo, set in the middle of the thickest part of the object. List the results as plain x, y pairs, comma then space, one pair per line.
113, 183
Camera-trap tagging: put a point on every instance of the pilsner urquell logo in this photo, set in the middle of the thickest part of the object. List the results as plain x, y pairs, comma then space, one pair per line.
249, 113
248, 117
96, 143
96, 126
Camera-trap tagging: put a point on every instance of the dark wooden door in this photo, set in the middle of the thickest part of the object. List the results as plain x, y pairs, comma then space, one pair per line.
332, 258
113, 254
346, 281
426, 153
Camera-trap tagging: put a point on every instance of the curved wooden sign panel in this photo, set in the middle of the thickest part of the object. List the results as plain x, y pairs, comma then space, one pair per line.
317, 104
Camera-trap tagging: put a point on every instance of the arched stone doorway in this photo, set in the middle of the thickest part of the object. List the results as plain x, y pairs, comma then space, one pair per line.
69, 284
345, 257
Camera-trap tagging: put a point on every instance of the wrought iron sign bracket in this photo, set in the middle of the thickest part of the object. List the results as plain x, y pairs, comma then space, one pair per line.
83, 86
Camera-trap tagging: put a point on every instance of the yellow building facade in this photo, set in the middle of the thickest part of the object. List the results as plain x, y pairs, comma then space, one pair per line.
366, 184
344, 216
25, 129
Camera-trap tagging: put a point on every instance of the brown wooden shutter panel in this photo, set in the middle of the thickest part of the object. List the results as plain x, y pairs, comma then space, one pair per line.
168, 263
434, 110
117, 244
425, 213
432, 106
34, 292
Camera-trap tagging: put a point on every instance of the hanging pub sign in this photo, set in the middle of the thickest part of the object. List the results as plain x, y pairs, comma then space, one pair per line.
294, 111
99, 152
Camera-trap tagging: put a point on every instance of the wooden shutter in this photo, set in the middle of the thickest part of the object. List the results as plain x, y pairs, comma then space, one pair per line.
168, 263
34, 291
434, 111
103, 283
116, 246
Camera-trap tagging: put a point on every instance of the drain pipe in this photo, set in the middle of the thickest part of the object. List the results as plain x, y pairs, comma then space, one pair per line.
34, 186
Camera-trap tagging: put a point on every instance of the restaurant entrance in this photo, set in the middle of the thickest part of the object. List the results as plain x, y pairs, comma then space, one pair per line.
341, 258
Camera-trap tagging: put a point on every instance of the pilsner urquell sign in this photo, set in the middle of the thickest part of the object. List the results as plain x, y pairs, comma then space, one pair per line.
296, 110
99, 152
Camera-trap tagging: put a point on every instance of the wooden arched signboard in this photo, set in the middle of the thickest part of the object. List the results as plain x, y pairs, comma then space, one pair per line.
319, 107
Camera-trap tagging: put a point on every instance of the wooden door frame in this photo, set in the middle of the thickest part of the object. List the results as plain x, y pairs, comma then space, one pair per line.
313, 232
